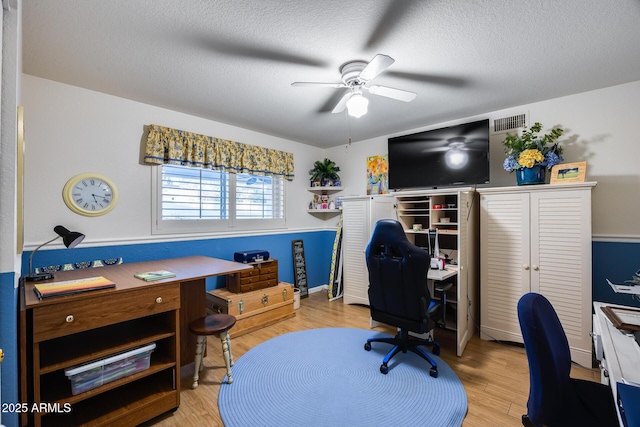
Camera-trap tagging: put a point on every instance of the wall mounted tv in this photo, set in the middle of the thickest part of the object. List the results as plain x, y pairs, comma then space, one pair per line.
455, 155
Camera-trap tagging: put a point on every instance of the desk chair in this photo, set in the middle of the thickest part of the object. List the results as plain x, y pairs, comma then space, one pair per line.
398, 292
556, 399
217, 325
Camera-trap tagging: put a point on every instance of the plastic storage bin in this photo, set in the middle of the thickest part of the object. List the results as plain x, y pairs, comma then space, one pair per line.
103, 371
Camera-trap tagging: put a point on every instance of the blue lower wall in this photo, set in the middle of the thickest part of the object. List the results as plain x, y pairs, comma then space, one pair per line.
617, 262
317, 247
9, 344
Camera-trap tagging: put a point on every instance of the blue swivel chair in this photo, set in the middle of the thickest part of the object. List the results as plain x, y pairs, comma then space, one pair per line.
556, 399
398, 292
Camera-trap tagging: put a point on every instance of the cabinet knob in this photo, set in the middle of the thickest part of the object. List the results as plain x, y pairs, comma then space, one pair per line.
69, 318
536, 268
525, 266
159, 300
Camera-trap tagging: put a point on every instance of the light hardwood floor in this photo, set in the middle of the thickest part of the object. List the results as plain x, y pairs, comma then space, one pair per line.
495, 376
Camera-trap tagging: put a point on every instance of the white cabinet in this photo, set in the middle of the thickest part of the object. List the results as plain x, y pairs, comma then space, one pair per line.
537, 239
359, 215
454, 212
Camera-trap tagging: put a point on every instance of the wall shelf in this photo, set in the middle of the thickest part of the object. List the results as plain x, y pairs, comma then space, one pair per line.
328, 189
323, 191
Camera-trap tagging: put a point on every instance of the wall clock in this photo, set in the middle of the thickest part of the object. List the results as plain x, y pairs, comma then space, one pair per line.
90, 194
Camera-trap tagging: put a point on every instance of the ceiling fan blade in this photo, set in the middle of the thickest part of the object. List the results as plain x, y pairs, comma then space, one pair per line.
342, 104
392, 18
389, 92
235, 48
377, 65
430, 78
317, 84
329, 104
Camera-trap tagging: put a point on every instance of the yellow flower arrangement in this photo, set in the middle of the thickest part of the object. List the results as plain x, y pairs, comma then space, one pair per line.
530, 157
530, 148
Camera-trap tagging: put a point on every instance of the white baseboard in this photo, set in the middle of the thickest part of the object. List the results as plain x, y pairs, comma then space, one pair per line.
318, 289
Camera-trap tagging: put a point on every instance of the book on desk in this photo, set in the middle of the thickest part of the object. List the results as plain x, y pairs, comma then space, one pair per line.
149, 276
68, 287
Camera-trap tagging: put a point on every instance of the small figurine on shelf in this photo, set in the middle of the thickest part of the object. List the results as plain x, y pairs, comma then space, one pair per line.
332, 205
338, 202
325, 201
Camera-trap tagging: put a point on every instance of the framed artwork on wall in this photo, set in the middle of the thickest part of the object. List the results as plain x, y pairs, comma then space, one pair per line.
378, 174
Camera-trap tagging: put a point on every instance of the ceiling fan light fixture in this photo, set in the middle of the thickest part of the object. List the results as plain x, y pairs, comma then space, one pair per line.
357, 105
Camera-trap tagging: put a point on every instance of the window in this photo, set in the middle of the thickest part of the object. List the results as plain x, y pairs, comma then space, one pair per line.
200, 200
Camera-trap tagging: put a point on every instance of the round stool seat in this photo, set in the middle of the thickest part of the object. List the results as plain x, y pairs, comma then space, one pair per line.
213, 324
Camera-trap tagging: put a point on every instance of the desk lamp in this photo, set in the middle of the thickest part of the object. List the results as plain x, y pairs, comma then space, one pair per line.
71, 239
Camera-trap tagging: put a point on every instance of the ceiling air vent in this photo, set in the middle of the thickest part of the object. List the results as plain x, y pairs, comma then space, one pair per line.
509, 123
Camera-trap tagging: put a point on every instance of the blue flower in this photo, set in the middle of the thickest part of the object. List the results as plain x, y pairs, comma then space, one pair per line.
510, 163
551, 159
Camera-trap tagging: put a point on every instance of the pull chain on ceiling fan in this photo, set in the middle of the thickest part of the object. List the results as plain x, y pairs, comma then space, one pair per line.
356, 76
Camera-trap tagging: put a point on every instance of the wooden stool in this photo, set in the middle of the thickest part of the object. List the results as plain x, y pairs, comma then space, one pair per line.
218, 325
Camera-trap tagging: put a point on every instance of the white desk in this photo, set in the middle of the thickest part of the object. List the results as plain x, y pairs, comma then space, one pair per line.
617, 352
439, 275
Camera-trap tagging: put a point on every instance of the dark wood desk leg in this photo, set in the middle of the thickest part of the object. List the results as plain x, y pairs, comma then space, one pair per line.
193, 304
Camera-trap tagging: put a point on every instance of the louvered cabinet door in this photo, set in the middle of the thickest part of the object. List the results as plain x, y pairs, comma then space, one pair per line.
355, 237
359, 216
561, 262
504, 263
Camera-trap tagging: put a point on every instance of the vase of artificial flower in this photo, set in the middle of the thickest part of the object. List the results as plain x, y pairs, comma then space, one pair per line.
529, 154
533, 175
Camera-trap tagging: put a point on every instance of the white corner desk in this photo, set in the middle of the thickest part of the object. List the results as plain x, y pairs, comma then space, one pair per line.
617, 352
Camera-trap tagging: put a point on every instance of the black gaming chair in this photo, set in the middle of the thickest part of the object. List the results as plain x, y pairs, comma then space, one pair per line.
556, 399
398, 292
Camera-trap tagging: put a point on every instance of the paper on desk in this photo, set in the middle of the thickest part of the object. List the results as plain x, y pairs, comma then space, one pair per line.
624, 289
628, 357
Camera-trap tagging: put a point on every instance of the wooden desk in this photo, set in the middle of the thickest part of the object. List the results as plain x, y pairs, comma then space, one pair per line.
617, 352
65, 331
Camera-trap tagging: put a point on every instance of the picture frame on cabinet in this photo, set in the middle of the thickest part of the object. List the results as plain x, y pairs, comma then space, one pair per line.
565, 173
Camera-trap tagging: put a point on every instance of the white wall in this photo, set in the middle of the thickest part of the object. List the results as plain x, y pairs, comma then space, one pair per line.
70, 130
601, 127
10, 64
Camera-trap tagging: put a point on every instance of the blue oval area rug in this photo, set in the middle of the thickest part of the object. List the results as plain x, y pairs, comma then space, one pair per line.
324, 377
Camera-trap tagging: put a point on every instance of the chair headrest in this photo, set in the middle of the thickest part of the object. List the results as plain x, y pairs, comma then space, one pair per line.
388, 230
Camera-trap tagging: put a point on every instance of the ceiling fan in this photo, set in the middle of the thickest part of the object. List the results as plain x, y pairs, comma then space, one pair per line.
356, 76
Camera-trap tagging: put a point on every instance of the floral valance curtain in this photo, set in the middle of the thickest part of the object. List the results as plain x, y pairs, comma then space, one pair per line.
177, 147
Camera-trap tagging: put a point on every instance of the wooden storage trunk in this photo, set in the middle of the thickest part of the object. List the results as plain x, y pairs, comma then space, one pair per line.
253, 310
263, 275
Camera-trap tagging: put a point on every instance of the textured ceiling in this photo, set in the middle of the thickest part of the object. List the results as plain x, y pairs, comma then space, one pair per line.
234, 61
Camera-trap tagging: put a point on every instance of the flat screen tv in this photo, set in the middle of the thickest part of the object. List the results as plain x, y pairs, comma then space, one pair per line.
445, 157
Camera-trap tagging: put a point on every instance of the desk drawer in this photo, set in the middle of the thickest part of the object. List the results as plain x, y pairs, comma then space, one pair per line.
73, 316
